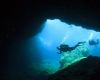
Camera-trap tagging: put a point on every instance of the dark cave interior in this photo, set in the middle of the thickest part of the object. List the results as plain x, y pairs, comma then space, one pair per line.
23, 19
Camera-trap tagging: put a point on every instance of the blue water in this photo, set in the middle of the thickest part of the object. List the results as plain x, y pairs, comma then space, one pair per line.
56, 32
39, 52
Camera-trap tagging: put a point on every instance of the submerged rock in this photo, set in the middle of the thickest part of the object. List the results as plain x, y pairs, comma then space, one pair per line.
69, 57
66, 59
85, 69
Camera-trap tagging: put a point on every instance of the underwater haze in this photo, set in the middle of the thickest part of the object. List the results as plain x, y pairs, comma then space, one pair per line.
56, 32
39, 54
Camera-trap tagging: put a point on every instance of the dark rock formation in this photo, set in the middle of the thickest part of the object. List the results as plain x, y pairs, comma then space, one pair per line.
86, 69
24, 19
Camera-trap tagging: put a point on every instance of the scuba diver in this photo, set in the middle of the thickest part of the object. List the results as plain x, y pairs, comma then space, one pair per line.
65, 48
94, 42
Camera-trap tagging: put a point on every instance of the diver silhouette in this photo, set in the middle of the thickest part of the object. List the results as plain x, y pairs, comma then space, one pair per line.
94, 42
65, 47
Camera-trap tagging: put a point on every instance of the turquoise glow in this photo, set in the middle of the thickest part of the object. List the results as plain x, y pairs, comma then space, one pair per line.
56, 32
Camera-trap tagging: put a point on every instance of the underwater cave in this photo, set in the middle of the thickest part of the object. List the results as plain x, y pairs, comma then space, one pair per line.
55, 32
